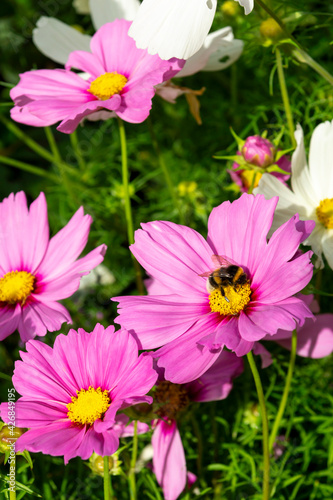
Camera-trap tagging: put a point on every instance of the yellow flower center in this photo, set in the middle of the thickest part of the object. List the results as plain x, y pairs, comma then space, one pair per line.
16, 286
89, 405
172, 398
238, 298
107, 85
325, 212
250, 178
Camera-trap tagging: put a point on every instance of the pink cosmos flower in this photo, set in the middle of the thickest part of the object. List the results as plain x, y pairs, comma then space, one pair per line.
194, 324
35, 271
71, 393
259, 152
169, 463
119, 78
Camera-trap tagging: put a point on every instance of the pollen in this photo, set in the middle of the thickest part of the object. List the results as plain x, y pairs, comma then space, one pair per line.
325, 212
238, 299
88, 405
171, 398
16, 286
105, 86
250, 178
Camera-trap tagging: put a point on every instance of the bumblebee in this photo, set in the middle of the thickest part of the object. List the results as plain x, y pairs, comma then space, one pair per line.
225, 276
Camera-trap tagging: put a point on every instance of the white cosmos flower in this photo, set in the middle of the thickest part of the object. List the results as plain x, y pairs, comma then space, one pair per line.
175, 28
312, 190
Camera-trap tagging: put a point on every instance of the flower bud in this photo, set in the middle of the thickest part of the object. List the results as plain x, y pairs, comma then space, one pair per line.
8, 437
96, 464
230, 8
271, 30
258, 151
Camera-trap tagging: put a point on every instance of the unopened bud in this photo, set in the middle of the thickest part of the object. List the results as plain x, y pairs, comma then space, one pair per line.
230, 8
271, 30
8, 437
258, 151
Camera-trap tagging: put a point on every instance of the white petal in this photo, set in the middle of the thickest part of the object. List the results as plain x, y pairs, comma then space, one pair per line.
288, 205
226, 54
320, 160
247, 4
81, 6
106, 11
301, 181
172, 28
216, 46
327, 244
57, 40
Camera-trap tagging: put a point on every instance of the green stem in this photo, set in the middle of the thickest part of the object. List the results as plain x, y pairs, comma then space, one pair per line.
28, 168
131, 476
165, 170
304, 55
77, 150
106, 479
52, 144
286, 390
285, 97
261, 397
127, 203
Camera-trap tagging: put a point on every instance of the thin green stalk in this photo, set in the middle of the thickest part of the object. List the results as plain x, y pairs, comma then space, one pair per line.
44, 153
52, 144
77, 150
127, 203
261, 397
131, 476
285, 97
304, 55
286, 390
106, 479
165, 170
28, 168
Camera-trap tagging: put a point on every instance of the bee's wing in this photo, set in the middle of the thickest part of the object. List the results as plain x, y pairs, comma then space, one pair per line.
220, 261
206, 274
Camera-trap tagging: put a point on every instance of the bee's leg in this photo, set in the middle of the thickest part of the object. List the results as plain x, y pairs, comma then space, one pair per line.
223, 294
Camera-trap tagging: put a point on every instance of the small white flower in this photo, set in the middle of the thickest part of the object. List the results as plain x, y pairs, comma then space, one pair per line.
312, 190
175, 28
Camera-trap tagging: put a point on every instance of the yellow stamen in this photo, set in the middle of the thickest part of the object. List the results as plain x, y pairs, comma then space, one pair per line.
107, 85
16, 286
238, 299
250, 178
89, 405
325, 212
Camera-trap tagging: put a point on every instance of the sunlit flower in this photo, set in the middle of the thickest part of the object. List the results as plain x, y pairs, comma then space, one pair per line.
171, 28
194, 323
37, 271
57, 40
312, 190
120, 78
169, 463
256, 151
71, 393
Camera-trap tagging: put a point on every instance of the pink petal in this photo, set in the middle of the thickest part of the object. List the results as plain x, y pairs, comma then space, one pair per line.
169, 459
227, 334
175, 255
216, 382
38, 318
9, 320
33, 413
239, 230
58, 438
184, 359
162, 319
260, 350
314, 339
